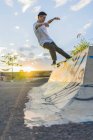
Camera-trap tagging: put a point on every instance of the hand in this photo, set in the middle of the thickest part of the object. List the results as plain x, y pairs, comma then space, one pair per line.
56, 18
46, 24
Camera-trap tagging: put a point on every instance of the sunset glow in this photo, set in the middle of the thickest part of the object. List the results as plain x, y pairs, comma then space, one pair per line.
28, 69
24, 68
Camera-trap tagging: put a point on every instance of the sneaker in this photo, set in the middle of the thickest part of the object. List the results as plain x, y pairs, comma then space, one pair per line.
54, 63
69, 57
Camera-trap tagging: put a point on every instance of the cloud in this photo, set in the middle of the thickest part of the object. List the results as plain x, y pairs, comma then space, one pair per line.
84, 28
42, 55
2, 49
42, 64
23, 49
26, 4
81, 4
31, 55
9, 2
12, 44
27, 45
27, 40
16, 13
88, 25
60, 2
46, 55
27, 48
17, 27
40, 61
36, 9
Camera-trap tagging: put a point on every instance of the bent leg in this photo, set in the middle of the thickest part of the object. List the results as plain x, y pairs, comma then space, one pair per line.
60, 51
51, 49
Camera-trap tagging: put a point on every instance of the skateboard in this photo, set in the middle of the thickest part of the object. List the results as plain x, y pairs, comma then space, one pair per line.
62, 62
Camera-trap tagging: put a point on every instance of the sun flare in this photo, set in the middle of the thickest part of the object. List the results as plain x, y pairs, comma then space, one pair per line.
24, 68
28, 69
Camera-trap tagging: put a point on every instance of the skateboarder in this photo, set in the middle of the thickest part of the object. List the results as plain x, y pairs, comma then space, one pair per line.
40, 29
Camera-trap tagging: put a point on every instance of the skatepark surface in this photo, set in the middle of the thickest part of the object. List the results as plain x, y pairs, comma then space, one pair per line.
67, 97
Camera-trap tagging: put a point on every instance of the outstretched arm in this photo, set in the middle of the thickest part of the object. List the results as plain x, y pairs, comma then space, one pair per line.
46, 23
51, 20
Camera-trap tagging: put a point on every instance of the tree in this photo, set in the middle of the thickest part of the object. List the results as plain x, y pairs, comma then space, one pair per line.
10, 60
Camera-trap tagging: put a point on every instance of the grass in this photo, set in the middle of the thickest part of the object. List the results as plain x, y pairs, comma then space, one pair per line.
80, 47
26, 75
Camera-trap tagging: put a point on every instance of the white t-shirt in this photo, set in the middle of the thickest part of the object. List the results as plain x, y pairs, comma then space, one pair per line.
41, 34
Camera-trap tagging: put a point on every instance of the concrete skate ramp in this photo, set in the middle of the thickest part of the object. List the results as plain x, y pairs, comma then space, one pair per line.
67, 96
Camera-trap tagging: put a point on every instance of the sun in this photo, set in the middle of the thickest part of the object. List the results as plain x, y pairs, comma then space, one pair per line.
28, 69
24, 68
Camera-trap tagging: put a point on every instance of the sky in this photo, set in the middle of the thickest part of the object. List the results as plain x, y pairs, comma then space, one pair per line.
16, 28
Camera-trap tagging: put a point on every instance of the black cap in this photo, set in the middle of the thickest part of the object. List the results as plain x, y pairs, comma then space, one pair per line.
42, 14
